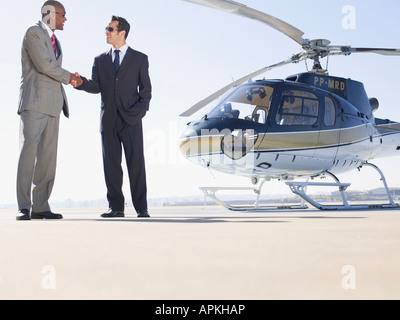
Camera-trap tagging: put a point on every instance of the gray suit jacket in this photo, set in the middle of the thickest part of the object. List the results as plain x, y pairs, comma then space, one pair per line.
42, 75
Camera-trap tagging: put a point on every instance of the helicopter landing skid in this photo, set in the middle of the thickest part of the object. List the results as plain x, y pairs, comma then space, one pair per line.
211, 193
299, 188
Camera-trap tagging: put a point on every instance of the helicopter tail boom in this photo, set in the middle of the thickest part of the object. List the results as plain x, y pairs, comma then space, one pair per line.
390, 137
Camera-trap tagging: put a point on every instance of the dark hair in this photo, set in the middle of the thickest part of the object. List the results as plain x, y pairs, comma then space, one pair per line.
123, 25
50, 3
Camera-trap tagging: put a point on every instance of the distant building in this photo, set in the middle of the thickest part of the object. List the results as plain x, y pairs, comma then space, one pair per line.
381, 192
375, 194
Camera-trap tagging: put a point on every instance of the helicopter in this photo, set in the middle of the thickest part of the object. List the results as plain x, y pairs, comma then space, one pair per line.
307, 126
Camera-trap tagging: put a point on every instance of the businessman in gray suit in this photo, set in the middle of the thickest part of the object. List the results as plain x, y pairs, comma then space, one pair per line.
42, 97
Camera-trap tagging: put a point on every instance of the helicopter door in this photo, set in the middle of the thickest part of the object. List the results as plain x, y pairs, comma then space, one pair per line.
329, 136
297, 118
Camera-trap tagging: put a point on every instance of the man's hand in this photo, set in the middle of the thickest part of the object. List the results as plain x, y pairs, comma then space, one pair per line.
76, 80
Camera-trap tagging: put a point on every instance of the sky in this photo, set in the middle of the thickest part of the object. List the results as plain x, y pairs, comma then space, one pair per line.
193, 51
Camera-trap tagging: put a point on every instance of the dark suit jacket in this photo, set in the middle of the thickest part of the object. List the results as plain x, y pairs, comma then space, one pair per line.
128, 90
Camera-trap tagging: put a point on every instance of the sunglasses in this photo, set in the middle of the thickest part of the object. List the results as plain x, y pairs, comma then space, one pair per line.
63, 14
111, 29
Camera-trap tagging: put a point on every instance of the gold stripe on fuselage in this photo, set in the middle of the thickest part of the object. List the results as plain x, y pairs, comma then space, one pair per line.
200, 145
281, 141
311, 139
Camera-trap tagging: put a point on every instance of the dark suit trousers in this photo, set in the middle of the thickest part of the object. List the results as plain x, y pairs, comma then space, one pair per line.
131, 139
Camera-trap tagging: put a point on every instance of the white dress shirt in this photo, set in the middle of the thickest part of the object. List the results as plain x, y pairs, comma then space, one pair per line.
122, 53
51, 34
48, 29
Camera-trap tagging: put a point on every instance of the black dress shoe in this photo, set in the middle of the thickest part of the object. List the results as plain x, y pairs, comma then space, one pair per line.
46, 215
23, 214
113, 214
143, 214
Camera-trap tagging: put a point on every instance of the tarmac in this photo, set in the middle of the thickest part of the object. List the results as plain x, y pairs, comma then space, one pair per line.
202, 253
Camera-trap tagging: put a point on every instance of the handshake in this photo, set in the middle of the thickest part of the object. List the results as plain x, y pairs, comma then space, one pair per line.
76, 80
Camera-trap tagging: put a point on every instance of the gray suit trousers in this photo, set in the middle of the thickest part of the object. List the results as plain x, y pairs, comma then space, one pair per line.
38, 160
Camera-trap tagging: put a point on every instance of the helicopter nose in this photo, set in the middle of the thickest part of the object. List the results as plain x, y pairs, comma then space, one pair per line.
193, 144
215, 147
199, 144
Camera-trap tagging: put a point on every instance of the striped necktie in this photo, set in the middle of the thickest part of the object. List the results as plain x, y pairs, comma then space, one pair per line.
116, 60
53, 42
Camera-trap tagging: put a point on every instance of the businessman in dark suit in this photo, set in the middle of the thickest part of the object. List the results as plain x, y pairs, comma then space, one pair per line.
121, 75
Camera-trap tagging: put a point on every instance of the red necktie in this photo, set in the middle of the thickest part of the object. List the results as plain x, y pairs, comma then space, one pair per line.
53, 42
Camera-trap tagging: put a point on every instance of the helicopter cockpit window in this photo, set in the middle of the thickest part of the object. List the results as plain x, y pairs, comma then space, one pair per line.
330, 112
250, 103
297, 108
260, 115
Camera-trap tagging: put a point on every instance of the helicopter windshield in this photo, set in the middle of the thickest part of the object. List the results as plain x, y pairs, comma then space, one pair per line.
249, 102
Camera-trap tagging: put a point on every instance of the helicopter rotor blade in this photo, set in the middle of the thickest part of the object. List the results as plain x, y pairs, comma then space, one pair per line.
346, 50
244, 11
312, 49
200, 105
